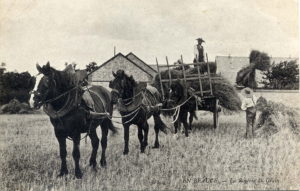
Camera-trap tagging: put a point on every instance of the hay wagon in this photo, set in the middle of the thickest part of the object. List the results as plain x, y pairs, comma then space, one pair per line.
208, 101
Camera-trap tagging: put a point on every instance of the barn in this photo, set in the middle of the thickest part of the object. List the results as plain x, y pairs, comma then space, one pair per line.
228, 66
130, 63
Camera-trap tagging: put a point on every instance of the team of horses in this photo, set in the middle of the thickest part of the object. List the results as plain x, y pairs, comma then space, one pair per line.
70, 115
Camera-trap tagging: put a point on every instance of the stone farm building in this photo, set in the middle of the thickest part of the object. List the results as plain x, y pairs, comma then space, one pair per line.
228, 66
130, 63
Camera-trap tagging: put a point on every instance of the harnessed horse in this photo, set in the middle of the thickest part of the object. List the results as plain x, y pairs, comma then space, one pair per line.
136, 104
61, 96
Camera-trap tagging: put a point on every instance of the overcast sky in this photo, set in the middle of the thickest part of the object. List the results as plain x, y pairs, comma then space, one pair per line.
82, 31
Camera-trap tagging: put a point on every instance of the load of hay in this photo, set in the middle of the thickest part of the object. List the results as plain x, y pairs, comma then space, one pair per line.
274, 117
15, 107
222, 89
246, 75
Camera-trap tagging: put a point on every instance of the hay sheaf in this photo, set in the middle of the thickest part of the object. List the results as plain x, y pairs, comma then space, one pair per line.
15, 107
274, 117
222, 89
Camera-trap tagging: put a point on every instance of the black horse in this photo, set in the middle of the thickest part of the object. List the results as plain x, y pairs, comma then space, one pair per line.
70, 116
136, 104
176, 96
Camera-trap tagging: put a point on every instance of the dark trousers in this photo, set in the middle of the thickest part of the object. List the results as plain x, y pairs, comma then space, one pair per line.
250, 118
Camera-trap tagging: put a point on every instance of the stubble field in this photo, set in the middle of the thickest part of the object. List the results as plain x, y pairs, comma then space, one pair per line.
208, 159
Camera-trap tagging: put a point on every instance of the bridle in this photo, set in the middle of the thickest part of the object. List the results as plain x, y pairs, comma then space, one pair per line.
43, 101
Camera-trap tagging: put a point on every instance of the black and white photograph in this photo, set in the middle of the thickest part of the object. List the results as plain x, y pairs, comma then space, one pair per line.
149, 95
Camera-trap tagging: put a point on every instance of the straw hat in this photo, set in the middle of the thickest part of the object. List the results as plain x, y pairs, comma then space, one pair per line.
200, 40
247, 92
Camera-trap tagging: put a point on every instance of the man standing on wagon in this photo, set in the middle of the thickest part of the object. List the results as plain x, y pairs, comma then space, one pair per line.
199, 51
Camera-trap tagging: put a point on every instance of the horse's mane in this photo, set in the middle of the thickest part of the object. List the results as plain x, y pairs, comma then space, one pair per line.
64, 78
129, 79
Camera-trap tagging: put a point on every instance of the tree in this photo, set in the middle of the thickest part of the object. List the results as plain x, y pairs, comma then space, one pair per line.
284, 75
16, 85
91, 67
258, 61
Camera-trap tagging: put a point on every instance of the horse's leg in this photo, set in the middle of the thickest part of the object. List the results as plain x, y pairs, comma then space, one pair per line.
156, 129
183, 119
95, 144
145, 127
63, 155
126, 139
191, 117
176, 124
140, 136
76, 154
104, 129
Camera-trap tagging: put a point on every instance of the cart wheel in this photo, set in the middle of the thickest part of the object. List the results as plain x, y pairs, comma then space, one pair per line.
216, 113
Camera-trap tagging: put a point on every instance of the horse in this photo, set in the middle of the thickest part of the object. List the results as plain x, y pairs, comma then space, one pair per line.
176, 96
136, 104
70, 116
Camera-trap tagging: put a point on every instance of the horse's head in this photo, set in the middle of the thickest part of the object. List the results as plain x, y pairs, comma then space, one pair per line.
176, 93
122, 86
47, 87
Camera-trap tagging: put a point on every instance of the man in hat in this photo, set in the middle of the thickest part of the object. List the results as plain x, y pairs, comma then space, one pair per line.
249, 105
199, 51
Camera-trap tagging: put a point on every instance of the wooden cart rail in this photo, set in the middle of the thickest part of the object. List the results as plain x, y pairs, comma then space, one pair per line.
209, 101
187, 77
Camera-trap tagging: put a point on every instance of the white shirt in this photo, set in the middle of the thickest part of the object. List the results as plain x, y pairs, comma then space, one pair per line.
248, 102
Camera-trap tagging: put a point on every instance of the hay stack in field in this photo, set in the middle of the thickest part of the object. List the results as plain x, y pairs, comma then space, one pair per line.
222, 89
274, 117
246, 75
15, 107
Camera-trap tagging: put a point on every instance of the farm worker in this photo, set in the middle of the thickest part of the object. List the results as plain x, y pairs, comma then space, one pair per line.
249, 105
199, 51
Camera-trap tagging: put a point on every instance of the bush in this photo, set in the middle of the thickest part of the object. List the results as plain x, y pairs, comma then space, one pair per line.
284, 75
16, 85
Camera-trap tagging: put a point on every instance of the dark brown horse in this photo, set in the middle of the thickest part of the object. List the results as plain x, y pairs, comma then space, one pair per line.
70, 116
176, 96
136, 104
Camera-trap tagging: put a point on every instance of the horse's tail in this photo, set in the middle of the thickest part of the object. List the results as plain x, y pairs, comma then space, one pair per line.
158, 122
112, 127
110, 124
193, 113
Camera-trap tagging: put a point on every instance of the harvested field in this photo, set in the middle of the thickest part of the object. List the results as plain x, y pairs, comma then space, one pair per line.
208, 159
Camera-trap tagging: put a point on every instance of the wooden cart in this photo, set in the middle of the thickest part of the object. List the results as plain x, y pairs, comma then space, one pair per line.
208, 101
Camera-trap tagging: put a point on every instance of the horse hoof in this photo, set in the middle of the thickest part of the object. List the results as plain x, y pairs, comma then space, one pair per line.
93, 164
125, 152
156, 146
78, 175
103, 163
62, 173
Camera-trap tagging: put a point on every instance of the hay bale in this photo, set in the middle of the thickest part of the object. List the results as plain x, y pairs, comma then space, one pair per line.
15, 107
274, 117
222, 89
